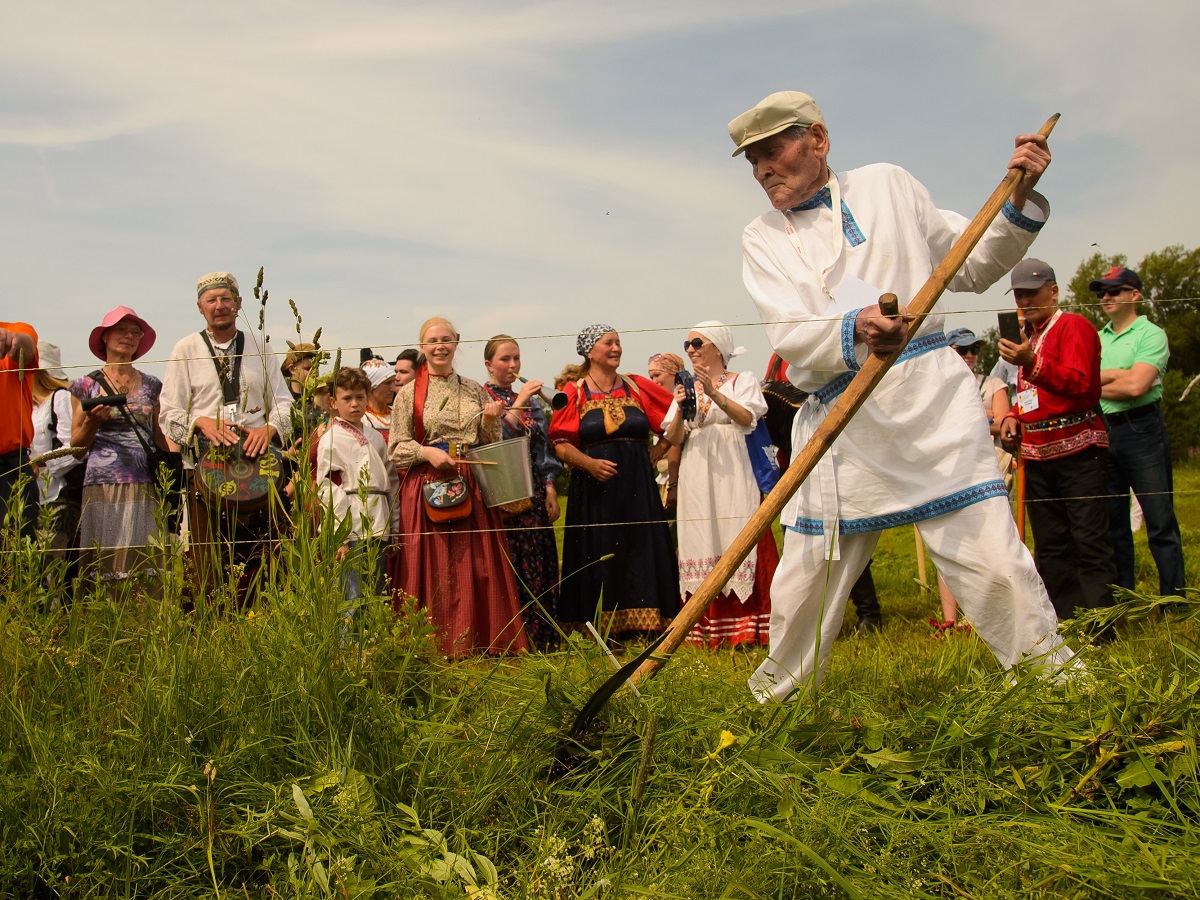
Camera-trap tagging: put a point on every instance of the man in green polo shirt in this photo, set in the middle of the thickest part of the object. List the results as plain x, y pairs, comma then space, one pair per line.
1133, 358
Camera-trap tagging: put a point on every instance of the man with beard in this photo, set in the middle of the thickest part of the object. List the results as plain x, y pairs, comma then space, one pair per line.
222, 387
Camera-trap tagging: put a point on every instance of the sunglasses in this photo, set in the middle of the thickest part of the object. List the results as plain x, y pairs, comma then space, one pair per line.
694, 343
1112, 292
963, 351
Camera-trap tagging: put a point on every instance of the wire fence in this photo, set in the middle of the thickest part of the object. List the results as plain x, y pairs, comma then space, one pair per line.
334, 352
277, 535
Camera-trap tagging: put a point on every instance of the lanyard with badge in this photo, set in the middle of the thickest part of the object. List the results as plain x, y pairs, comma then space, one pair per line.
229, 373
1027, 399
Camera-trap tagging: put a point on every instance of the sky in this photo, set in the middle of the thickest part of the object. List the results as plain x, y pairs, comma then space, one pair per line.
533, 167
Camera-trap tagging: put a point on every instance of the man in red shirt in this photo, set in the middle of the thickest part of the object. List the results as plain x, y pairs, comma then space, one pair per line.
18, 363
1056, 423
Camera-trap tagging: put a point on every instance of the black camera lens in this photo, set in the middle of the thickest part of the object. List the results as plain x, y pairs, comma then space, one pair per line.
90, 403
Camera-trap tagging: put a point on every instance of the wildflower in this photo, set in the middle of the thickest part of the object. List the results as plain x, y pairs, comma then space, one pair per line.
594, 838
728, 739
344, 802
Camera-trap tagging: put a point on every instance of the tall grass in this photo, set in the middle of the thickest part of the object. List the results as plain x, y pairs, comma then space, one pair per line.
148, 752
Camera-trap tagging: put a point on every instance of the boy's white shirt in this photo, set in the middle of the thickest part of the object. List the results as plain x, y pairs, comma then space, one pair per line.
366, 493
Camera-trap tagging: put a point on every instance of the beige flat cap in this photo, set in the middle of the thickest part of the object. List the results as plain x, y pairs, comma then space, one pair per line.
772, 115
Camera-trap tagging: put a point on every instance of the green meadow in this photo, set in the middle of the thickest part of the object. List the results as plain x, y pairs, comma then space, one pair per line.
147, 752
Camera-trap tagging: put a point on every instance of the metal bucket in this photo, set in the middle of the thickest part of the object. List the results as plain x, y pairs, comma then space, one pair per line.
511, 479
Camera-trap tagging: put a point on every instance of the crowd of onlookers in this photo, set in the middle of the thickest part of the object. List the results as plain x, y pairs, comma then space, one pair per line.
387, 447
661, 471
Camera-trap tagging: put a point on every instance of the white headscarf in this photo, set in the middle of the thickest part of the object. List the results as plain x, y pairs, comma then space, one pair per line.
377, 372
721, 337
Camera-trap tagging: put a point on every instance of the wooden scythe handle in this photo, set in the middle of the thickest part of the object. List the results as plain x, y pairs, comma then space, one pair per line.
852, 398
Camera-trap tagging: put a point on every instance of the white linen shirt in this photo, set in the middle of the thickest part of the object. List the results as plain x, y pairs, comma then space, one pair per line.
192, 390
918, 447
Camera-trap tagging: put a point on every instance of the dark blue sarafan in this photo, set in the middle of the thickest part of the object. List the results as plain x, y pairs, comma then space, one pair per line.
687, 408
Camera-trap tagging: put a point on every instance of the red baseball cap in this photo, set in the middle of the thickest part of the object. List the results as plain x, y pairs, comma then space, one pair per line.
1117, 276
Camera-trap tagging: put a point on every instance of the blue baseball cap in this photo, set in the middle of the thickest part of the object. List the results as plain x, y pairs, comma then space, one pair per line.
962, 337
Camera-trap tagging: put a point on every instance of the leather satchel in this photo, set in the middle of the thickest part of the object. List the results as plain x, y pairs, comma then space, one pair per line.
446, 500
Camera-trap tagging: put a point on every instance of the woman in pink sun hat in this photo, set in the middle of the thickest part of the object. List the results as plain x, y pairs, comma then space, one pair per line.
119, 501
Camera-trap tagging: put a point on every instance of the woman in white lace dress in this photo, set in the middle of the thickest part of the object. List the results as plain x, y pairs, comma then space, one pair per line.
718, 492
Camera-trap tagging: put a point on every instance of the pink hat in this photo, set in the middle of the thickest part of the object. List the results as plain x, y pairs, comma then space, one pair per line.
111, 318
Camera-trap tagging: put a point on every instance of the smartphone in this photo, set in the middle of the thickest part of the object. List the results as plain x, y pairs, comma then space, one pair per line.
1010, 327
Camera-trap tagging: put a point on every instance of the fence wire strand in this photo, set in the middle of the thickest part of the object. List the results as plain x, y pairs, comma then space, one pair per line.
280, 537
332, 352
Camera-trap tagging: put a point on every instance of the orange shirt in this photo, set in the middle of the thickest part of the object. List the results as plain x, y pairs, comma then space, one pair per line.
16, 396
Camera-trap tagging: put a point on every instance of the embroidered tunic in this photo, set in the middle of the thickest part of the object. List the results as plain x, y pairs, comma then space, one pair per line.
890, 235
353, 478
1066, 378
192, 390
380, 422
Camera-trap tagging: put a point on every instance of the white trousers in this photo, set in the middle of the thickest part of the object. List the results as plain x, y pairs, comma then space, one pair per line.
977, 551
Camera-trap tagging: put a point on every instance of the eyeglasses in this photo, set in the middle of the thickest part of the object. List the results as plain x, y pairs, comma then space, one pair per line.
963, 351
694, 343
1112, 292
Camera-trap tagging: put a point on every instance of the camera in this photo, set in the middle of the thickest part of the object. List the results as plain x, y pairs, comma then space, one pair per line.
90, 403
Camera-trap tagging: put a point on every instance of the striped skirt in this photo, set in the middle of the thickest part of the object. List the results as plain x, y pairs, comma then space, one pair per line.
115, 528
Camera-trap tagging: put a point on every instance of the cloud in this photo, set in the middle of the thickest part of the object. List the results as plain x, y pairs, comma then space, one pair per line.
527, 167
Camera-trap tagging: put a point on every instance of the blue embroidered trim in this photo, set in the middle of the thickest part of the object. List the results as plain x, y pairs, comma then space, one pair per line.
848, 357
1022, 221
850, 228
833, 388
823, 197
915, 348
806, 526
939, 507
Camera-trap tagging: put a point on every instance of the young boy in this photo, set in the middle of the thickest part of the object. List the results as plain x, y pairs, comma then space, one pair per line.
353, 474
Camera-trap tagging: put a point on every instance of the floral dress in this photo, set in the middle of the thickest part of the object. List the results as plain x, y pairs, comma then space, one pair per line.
119, 505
